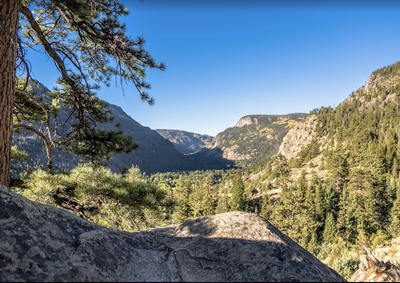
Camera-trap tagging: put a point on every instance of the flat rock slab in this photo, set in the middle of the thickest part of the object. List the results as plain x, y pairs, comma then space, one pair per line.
44, 243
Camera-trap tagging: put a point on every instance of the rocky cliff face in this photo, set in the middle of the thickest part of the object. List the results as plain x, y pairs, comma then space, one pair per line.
247, 120
43, 243
298, 137
254, 136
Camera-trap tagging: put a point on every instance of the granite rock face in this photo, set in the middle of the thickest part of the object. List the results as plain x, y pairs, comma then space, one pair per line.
43, 243
298, 137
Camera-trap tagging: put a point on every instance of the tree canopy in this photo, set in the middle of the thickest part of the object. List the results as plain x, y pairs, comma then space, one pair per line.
89, 46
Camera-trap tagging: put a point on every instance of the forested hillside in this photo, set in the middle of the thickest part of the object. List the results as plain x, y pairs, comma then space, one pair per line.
341, 190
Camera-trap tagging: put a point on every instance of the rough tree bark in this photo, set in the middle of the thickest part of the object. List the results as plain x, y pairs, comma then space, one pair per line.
9, 19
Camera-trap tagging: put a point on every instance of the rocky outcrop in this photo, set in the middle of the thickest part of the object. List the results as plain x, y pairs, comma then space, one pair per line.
255, 137
298, 137
246, 120
43, 243
374, 270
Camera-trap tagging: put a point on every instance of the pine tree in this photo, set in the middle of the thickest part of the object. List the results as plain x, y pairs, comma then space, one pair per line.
329, 234
87, 43
284, 213
266, 206
223, 202
337, 250
330, 199
183, 210
290, 214
196, 198
238, 199
319, 204
208, 202
312, 245
281, 167
395, 169
9, 15
395, 215
340, 167
349, 215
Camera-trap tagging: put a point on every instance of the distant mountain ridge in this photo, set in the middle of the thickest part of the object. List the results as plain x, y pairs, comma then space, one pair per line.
185, 142
255, 137
155, 153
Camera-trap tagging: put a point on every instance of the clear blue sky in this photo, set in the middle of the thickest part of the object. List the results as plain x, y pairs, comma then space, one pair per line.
225, 61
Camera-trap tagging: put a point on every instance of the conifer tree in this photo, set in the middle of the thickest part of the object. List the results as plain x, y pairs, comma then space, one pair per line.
183, 210
238, 198
349, 215
330, 199
319, 204
337, 250
87, 43
208, 202
340, 167
281, 167
395, 215
266, 206
329, 234
312, 244
195, 199
223, 202
289, 215
284, 213
395, 169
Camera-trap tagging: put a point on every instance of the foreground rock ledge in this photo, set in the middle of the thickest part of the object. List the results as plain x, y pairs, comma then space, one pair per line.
43, 243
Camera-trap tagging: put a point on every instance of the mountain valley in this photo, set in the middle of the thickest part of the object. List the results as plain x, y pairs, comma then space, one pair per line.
329, 179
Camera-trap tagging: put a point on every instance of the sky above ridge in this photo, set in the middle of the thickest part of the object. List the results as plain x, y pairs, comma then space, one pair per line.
228, 59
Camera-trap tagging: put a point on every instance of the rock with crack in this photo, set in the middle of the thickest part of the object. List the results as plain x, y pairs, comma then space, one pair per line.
374, 270
43, 243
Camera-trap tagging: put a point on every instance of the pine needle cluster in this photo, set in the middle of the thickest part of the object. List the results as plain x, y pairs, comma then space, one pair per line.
128, 202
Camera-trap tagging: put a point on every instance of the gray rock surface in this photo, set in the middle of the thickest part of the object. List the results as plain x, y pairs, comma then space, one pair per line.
298, 137
43, 243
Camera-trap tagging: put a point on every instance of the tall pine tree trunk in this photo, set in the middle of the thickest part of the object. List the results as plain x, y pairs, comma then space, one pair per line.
9, 18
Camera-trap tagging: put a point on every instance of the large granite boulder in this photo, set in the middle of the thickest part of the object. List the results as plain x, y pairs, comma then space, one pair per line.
43, 243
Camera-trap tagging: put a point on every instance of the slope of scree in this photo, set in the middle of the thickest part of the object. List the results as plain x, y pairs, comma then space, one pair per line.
43, 243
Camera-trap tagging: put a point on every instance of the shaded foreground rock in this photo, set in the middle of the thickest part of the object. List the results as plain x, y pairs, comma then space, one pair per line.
43, 243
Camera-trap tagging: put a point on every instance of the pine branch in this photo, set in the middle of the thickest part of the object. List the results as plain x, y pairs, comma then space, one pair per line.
60, 64
44, 139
